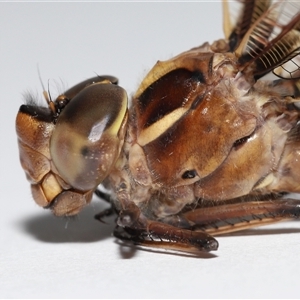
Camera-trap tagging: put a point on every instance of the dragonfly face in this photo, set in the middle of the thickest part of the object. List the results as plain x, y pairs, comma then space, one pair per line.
207, 146
68, 151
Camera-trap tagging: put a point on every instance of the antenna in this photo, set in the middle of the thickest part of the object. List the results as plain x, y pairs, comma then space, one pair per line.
46, 94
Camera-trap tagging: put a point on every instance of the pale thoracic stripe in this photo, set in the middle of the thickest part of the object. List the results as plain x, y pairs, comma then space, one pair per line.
158, 128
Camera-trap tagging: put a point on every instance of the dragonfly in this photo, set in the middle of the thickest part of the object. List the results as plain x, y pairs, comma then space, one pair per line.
209, 145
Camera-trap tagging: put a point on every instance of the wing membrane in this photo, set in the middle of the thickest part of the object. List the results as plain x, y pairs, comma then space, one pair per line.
247, 13
272, 41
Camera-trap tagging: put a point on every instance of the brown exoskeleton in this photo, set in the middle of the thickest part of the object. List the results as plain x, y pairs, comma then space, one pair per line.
207, 147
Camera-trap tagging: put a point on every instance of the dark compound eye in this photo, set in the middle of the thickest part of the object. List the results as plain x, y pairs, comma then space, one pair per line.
89, 131
189, 174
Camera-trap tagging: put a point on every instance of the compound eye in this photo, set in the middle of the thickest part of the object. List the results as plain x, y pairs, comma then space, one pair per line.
89, 134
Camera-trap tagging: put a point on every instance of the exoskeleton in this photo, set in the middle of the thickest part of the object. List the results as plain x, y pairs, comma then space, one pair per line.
208, 146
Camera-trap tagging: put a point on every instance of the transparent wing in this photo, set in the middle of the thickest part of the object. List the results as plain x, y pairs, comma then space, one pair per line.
239, 16
272, 42
289, 69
